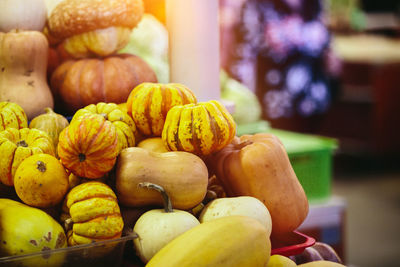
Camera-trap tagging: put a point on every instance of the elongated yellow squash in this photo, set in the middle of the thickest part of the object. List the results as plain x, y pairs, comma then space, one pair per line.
224, 242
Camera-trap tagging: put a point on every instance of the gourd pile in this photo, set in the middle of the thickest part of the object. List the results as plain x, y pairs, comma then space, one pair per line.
201, 195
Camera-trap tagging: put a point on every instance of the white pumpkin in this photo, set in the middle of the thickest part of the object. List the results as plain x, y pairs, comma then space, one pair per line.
27, 15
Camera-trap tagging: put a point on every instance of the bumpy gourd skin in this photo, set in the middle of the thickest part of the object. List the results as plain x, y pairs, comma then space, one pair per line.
201, 128
92, 209
12, 116
124, 125
101, 42
17, 145
25, 230
149, 103
88, 147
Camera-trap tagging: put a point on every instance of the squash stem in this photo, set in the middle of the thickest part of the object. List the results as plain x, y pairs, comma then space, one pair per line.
41, 166
167, 200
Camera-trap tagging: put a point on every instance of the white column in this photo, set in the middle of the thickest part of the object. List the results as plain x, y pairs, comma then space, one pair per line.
193, 29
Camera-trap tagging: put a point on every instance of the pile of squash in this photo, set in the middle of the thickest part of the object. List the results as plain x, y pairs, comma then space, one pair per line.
134, 157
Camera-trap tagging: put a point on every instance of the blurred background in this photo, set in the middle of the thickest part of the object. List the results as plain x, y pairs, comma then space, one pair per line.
324, 75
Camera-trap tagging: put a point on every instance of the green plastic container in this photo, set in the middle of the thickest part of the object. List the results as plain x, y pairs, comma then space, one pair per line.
310, 156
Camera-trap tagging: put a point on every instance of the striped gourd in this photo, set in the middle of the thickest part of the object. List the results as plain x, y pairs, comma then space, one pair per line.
201, 128
149, 103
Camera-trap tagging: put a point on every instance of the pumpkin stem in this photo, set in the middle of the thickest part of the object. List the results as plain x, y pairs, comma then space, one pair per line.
243, 144
81, 157
22, 143
48, 110
41, 166
167, 200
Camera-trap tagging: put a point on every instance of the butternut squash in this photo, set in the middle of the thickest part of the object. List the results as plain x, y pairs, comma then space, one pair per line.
258, 165
23, 66
183, 175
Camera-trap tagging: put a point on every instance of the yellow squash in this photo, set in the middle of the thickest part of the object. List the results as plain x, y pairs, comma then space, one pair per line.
149, 103
232, 241
51, 123
25, 230
201, 128
17, 145
91, 213
41, 181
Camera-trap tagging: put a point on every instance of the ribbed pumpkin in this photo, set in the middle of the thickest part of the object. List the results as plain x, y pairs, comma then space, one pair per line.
51, 123
149, 103
91, 213
88, 147
17, 145
124, 125
12, 115
78, 83
201, 128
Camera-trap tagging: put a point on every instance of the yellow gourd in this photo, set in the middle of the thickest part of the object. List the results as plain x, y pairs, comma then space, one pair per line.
51, 123
24, 230
17, 145
201, 128
91, 213
41, 181
12, 116
232, 241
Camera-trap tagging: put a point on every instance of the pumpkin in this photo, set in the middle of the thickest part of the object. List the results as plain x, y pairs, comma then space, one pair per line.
17, 145
232, 241
88, 147
78, 83
90, 29
149, 103
184, 176
23, 64
91, 213
99, 42
124, 125
41, 181
27, 15
51, 123
157, 227
201, 128
12, 116
258, 165
242, 205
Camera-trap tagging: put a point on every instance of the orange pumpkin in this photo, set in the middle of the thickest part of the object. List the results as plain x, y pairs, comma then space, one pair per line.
88, 147
258, 165
17, 145
149, 103
124, 125
78, 83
